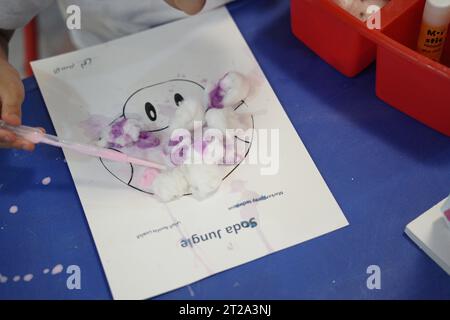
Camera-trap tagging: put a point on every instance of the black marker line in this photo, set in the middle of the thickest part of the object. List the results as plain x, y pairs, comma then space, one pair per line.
246, 154
132, 168
157, 130
240, 139
240, 105
132, 174
154, 85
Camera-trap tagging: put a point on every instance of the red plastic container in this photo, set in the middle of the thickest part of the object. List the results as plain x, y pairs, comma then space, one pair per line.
414, 84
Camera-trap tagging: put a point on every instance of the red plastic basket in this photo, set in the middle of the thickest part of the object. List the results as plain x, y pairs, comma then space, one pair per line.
412, 83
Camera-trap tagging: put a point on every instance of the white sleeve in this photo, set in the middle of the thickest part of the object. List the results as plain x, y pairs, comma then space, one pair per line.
15, 14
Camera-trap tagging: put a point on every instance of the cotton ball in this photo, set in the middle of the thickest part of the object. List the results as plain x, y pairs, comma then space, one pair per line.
213, 151
229, 91
203, 179
188, 115
222, 119
359, 9
170, 185
235, 151
147, 140
178, 147
217, 118
131, 130
121, 133
236, 88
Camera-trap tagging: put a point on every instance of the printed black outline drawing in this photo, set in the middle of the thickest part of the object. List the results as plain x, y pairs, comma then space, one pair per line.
249, 143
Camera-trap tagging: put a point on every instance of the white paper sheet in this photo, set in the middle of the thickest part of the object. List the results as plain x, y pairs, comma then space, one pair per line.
139, 238
431, 233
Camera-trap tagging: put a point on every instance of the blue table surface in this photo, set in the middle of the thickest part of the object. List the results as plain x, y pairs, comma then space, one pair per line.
383, 168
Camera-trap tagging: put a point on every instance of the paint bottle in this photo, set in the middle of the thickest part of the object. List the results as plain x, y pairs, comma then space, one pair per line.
433, 32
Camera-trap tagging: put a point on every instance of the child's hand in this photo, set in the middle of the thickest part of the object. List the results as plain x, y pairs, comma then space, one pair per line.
11, 98
187, 6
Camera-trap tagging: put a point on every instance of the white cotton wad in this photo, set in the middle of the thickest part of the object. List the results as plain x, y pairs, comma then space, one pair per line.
121, 133
170, 185
229, 91
214, 152
359, 8
131, 130
203, 179
222, 119
188, 115
235, 87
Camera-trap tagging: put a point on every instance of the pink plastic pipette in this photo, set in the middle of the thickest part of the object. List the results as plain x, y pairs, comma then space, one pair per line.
36, 136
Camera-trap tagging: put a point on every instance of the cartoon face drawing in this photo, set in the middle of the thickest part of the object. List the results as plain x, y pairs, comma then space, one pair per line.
157, 103
154, 105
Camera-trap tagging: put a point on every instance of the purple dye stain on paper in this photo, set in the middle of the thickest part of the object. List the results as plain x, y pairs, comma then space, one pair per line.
94, 126
13, 209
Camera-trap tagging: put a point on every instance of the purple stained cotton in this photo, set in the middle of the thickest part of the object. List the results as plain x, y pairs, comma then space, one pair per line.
181, 148
174, 142
122, 133
117, 128
178, 147
216, 97
147, 140
229, 91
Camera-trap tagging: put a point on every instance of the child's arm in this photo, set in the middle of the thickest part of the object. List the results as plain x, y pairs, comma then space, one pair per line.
187, 6
11, 97
11, 87
13, 14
